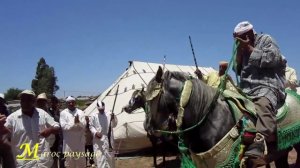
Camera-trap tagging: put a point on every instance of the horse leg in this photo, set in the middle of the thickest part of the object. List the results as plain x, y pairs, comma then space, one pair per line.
164, 152
153, 140
282, 162
280, 158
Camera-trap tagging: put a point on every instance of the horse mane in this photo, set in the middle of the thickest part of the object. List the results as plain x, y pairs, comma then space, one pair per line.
177, 75
200, 98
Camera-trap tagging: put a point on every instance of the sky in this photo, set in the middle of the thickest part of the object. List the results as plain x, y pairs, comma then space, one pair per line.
89, 42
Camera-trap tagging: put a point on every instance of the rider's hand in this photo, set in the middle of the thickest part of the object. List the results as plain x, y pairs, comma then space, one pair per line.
245, 44
198, 73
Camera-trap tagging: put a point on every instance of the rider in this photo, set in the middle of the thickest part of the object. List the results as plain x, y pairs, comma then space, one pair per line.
213, 78
291, 77
262, 77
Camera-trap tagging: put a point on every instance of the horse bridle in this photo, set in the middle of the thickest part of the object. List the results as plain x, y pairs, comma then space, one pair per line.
133, 99
152, 102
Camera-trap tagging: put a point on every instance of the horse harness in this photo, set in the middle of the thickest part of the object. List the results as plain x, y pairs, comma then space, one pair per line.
226, 143
155, 96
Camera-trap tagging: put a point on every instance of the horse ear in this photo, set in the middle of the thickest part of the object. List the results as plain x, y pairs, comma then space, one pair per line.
159, 74
143, 89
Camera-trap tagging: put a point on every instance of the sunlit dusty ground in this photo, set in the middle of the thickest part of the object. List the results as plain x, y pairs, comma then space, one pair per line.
146, 161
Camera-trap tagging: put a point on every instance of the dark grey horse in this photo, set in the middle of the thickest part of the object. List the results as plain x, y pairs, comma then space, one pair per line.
163, 94
137, 101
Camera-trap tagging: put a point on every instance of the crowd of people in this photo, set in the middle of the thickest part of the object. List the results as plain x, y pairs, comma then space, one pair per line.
40, 135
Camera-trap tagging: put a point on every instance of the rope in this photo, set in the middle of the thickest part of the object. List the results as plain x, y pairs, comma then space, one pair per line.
235, 45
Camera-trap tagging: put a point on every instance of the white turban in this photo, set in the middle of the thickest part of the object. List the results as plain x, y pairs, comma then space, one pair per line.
70, 98
243, 27
100, 104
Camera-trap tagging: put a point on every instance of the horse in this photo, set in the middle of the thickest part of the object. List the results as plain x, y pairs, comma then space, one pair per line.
208, 120
137, 101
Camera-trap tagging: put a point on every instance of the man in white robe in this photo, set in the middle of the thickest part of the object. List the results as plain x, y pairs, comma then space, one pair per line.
30, 128
99, 127
72, 121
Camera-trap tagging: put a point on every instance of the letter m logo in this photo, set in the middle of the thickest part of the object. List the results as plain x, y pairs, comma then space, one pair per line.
28, 153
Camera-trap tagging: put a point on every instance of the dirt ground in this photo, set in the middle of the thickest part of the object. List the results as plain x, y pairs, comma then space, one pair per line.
146, 161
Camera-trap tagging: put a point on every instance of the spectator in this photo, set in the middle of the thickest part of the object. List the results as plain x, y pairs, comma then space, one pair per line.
72, 121
99, 126
213, 79
6, 156
42, 102
58, 142
30, 126
291, 77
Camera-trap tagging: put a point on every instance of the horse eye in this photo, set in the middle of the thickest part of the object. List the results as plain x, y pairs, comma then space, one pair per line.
131, 101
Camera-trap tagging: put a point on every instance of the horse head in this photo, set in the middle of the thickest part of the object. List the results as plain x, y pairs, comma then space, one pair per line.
136, 101
162, 95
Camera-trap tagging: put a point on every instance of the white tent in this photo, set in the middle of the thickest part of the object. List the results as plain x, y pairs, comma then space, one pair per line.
129, 134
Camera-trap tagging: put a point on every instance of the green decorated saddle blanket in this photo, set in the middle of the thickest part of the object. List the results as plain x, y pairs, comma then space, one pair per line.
241, 104
226, 153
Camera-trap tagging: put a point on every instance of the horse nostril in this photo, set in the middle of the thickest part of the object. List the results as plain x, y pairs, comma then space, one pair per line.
125, 109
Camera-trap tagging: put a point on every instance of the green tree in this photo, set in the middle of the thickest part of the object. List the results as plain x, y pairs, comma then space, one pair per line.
12, 94
45, 79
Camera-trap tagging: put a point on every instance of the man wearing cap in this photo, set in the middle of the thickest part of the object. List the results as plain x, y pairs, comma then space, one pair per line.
42, 101
72, 121
213, 79
262, 77
291, 77
99, 126
29, 128
58, 142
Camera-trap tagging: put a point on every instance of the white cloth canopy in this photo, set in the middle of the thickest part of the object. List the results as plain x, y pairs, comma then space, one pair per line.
129, 134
